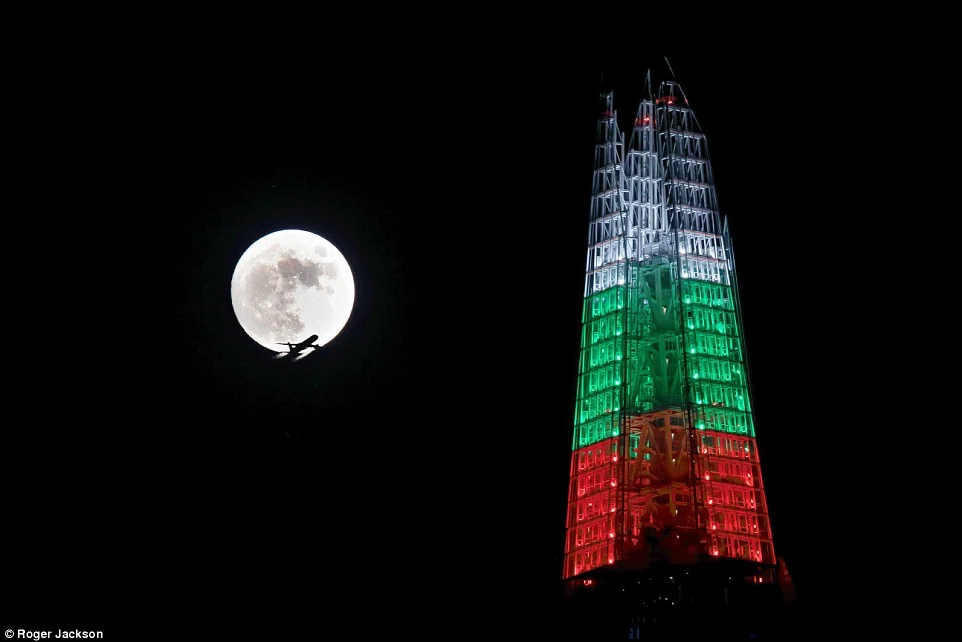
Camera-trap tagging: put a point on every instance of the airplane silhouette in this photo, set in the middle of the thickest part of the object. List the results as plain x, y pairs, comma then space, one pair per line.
298, 349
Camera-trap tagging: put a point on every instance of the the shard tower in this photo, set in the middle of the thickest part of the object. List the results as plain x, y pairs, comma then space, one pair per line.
664, 468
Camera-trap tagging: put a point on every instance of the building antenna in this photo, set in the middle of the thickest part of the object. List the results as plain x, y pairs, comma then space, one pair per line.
648, 82
669, 68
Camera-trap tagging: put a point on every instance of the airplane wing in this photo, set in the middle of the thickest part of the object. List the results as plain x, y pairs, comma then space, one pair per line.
306, 351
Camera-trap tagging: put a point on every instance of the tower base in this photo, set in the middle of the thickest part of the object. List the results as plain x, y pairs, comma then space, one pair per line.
713, 600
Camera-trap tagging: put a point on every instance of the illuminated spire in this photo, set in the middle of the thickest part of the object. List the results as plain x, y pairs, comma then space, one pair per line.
663, 433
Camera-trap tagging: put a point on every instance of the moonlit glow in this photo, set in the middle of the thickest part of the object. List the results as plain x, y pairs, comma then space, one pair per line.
289, 285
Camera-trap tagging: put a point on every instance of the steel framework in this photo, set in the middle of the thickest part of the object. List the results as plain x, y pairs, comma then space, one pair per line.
664, 463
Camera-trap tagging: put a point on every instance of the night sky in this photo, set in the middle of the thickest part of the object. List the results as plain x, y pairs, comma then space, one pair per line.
418, 464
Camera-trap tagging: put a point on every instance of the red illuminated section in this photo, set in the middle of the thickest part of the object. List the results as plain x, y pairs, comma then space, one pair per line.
592, 507
734, 497
662, 492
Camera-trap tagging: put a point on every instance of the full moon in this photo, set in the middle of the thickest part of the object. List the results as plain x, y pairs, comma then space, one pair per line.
290, 285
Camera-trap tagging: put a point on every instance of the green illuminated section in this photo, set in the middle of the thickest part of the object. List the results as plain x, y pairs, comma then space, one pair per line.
715, 360
598, 408
641, 343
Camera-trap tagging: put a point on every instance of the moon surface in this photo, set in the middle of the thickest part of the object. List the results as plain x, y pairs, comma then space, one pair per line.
289, 285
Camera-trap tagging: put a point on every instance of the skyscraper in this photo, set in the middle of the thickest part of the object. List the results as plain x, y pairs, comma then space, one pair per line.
665, 469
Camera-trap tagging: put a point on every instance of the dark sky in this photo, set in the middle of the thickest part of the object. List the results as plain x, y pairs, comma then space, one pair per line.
427, 445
